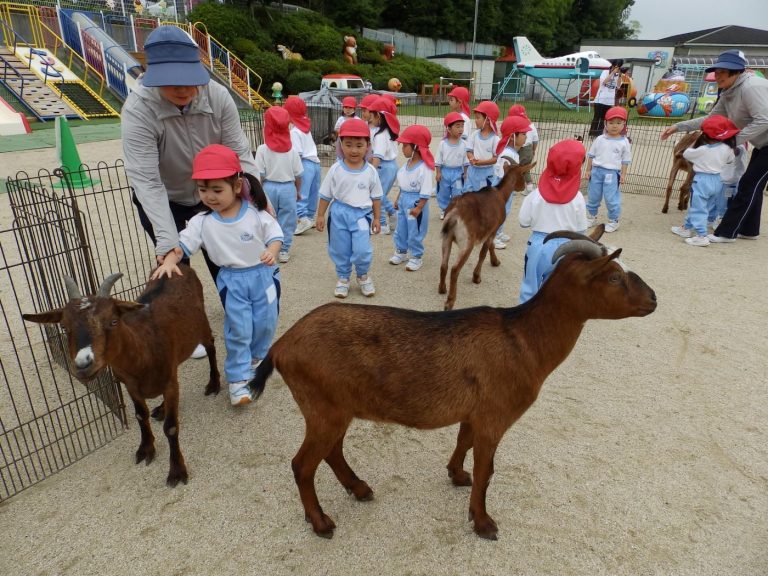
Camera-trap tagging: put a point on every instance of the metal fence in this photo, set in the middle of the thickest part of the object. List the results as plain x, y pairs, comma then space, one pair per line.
47, 230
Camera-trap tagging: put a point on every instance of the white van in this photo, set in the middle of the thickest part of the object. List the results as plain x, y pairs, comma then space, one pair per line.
342, 82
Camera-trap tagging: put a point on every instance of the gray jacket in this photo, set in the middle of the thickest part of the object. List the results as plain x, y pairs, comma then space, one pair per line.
746, 105
160, 141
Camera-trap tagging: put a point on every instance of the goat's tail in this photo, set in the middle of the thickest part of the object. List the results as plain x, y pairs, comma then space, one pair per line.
259, 381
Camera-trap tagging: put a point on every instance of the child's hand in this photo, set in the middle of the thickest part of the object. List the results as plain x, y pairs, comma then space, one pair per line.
588, 174
438, 176
320, 224
375, 226
395, 204
167, 268
267, 258
415, 212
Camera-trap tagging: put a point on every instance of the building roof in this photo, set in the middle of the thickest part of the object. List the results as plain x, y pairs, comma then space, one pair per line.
463, 56
728, 35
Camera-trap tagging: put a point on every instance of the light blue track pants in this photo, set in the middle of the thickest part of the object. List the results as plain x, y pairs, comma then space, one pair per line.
349, 239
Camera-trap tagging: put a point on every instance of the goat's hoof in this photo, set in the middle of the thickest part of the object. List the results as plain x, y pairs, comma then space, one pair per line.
159, 412
442, 290
448, 306
212, 388
362, 492
486, 529
664, 210
460, 478
324, 527
476, 279
145, 455
176, 476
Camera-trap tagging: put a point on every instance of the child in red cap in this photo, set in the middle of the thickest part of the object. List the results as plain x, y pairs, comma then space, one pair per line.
481, 147
451, 161
348, 106
528, 151
353, 191
415, 181
458, 101
280, 171
514, 131
555, 204
241, 237
304, 144
385, 128
607, 163
714, 149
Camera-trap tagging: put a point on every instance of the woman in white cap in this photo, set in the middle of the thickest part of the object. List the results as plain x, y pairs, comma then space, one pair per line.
743, 99
174, 112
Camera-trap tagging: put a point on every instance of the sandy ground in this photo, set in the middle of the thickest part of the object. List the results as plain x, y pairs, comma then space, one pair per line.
646, 452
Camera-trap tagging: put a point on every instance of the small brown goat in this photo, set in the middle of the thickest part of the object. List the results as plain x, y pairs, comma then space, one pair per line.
482, 367
472, 219
143, 342
680, 163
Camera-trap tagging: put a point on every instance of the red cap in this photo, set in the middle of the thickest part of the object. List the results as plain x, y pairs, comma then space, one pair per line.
277, 133
719, 127
214, 162
367, 100
462, 95
386, 106
510, 126
355, 127
452, 117
559, 182
491, 111
616, 112
517, 110
297, 109
419, 136
349, 102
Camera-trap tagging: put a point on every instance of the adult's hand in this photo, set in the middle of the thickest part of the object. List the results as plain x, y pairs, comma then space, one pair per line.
668, 132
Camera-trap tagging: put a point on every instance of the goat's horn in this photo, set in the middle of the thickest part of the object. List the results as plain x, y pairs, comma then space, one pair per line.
72, 290
106, 286
567, 234
587, 247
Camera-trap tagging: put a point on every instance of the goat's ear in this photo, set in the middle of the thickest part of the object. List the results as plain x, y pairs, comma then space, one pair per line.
50, 317
128, 306
597, 232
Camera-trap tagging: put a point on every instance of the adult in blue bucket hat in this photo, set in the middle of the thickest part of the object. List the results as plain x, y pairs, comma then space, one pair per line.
174, 112
743, 99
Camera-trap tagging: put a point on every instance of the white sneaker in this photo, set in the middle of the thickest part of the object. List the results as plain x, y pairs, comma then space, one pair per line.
503, 237
342, 289
680, 231
720, 239
398, 258
591, 220
283, 257
745, 237
239, 394
199, 352
498, 244
697, 241
366, 286
414, 264
303, 225
612, 226
442, 214
385, 229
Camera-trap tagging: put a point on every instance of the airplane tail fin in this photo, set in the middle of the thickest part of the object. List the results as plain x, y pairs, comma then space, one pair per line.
524, 50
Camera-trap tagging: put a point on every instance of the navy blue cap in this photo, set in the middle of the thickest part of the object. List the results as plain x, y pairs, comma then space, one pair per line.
729, 60
173, 59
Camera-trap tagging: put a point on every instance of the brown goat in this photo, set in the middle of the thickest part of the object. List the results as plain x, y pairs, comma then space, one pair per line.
143, 342
681, 164
482, 367
473, 218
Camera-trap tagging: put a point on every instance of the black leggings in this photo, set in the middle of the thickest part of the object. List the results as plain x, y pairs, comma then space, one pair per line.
743, 213
598, 119
181, 215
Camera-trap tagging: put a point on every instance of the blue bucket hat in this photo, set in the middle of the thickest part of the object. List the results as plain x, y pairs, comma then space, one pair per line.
729, 60
173, 59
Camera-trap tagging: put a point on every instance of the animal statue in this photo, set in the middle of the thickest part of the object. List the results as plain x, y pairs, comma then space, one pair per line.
350, 49
144, 342
389, 51
481, 367
679, 163
288, 54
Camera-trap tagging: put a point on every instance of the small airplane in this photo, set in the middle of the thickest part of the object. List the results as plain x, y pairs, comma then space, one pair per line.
531, 63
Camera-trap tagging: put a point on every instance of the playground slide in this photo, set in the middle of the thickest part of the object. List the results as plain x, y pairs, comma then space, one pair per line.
12, 122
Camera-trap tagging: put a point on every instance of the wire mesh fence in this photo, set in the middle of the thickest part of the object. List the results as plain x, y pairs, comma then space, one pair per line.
48, 229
